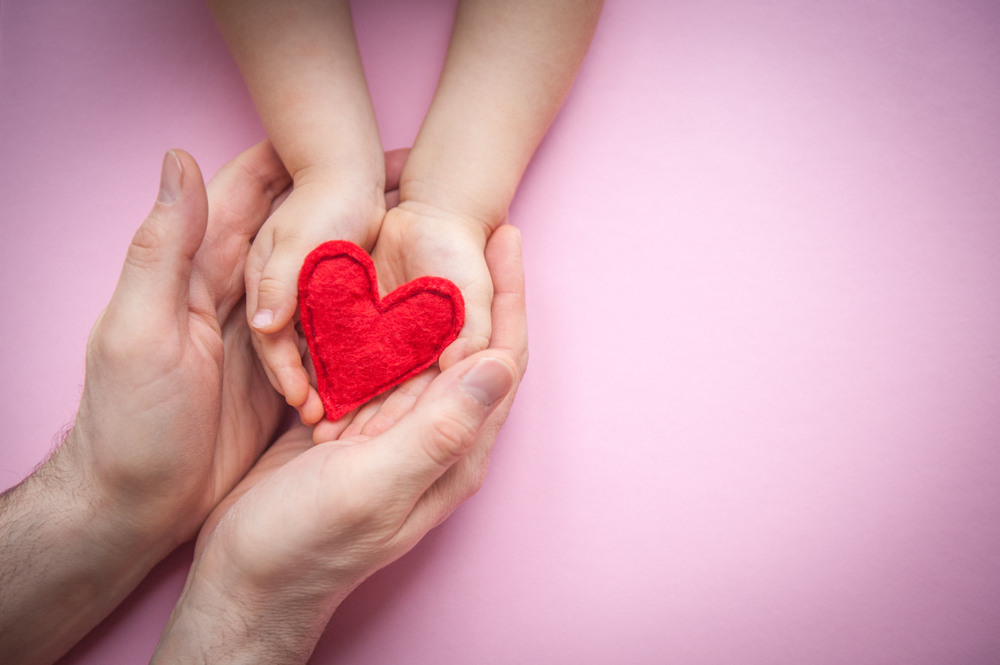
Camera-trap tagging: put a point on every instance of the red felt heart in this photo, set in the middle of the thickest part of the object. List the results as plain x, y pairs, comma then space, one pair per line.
361, 344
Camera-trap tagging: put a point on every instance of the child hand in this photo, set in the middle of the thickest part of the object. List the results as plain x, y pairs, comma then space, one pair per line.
313, 213
416, 240
419, 239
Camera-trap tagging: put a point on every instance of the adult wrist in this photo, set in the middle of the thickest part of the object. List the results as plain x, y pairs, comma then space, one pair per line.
72, 561
125, 503
215, 630
220, 619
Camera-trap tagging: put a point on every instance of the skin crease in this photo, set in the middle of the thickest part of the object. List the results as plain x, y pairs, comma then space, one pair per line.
509, 66
175, 409
309, 523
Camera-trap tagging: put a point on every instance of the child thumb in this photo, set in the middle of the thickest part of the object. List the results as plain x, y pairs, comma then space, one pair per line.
157, 266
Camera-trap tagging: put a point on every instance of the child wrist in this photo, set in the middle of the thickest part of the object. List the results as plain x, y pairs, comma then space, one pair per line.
343, 177
480, 212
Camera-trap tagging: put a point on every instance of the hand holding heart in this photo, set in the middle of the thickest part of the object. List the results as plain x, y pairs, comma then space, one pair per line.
176, 409
310, 522
362, 344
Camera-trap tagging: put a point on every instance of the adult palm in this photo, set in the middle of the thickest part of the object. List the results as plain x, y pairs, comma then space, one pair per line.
175, 407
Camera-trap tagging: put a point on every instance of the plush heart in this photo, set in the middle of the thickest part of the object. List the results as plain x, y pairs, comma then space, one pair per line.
361, 344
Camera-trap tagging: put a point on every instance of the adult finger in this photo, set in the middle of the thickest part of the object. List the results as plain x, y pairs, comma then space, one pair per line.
510, 335
242, 191
442, 427
331, 430
155, 277
240, 196
397, 404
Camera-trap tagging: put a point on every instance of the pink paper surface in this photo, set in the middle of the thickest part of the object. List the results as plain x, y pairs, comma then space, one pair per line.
761, 422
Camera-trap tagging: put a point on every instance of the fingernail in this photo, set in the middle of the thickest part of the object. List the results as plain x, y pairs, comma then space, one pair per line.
170, 179
488, 380
262, 318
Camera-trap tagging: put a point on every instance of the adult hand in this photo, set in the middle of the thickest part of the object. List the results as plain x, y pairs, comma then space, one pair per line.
309, 523
175, 409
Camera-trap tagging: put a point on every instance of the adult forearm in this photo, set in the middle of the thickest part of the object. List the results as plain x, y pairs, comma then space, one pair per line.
509, 67
239, 622
66, 560
300, 60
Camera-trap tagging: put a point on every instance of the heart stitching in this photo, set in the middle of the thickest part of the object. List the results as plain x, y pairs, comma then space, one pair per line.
362, 345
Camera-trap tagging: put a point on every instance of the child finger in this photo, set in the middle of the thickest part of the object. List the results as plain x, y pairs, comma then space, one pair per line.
478, 328
508, 315
280, 354
277, 290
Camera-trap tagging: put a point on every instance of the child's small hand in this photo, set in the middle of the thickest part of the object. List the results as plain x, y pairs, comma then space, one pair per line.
418, 239
313, 213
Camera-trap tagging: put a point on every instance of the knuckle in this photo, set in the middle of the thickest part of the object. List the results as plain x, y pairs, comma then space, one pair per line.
366, 520
127, 348
470, 482
356, 510
271, 286
147, 245
478, 342
243, 194
451, 437
478, 477
100, 349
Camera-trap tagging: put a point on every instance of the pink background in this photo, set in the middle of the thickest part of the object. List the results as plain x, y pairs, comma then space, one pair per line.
762, 418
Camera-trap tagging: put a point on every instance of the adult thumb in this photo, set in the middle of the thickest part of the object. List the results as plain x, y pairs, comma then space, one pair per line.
445, 423
157, 268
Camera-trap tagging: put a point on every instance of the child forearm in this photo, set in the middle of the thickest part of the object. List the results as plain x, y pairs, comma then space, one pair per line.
300, 60
509, 67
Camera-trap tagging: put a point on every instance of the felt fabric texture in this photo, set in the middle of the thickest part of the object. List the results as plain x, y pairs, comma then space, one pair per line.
361, 344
